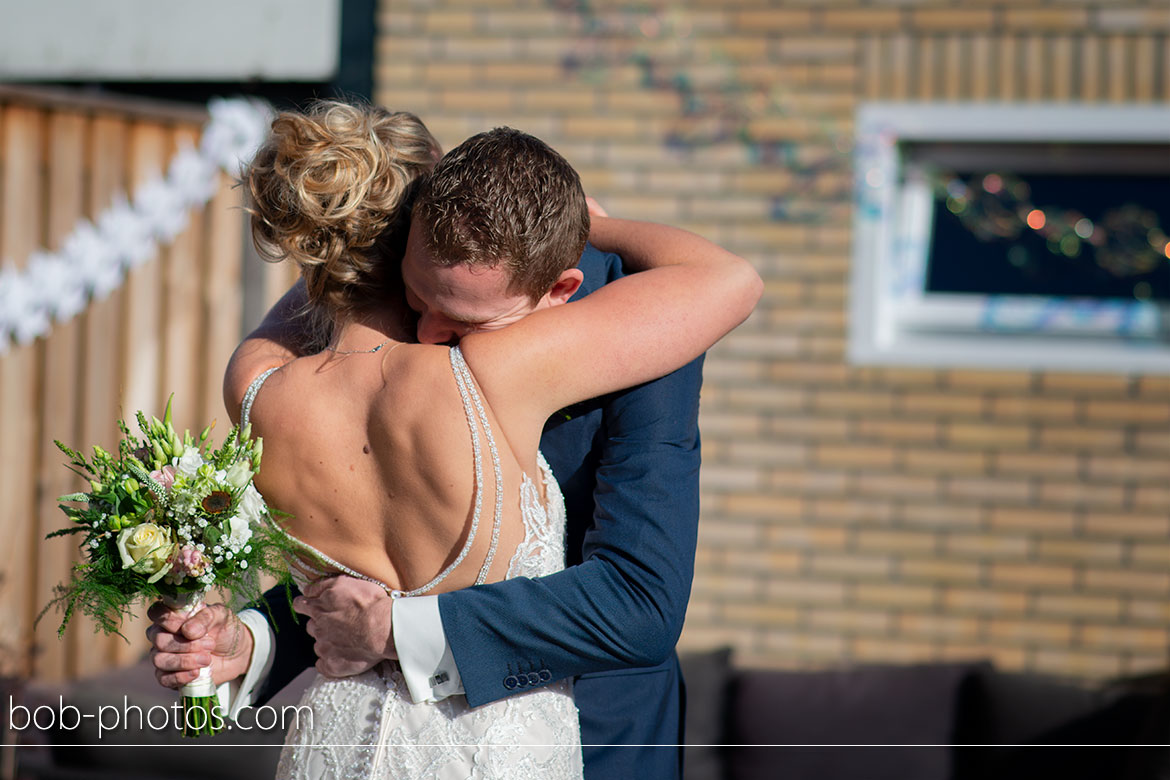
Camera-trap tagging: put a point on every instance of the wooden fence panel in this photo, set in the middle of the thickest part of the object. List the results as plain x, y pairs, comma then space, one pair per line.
169, 328
21, 152
141, 328
61, 384
222, 301
103, 350
182, 317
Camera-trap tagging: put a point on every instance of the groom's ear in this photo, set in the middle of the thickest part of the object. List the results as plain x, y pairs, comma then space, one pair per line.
565, 287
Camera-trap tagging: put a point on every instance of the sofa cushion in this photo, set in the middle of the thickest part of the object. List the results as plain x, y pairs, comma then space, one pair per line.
1004, 712
814, 714
705, 677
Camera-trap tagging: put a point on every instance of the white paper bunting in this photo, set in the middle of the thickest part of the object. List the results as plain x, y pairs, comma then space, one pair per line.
95, 256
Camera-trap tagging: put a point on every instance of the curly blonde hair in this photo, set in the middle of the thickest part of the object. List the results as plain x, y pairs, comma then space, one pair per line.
331, 189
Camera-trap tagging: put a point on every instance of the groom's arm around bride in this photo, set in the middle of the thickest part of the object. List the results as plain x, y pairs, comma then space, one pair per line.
628, 465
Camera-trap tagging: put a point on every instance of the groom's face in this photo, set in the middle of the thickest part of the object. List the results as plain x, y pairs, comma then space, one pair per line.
452, 301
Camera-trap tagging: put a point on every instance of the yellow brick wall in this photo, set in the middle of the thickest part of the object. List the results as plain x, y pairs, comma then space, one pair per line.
850, 514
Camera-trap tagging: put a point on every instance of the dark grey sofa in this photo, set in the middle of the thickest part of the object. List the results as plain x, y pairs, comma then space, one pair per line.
961, 721
957, 721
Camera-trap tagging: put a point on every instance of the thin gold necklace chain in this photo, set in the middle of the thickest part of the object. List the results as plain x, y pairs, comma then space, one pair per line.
378, 348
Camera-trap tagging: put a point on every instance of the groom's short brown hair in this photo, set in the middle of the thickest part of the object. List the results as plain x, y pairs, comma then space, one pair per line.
505, 198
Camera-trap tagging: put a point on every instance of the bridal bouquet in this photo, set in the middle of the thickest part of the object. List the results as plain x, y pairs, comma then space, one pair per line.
169, 518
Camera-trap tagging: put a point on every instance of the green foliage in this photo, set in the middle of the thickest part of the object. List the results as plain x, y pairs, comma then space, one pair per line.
124, 495
104, 591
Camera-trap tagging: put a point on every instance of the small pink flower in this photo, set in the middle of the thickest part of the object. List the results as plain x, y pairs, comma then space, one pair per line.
190, 561
164, 477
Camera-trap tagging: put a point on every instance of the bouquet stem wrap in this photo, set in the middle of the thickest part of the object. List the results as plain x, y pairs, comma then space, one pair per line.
201, 712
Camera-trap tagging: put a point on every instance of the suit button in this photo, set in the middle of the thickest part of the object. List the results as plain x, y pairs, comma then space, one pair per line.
511, 682
545, 675
522, 680
533, 678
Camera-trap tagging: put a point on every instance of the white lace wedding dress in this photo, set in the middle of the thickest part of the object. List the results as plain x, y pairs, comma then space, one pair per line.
367, 726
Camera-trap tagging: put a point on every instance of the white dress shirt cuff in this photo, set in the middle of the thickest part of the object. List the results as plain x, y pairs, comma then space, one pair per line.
423, 652
237, 695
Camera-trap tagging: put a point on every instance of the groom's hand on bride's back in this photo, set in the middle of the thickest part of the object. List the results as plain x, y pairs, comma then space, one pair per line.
349, 620
180, 646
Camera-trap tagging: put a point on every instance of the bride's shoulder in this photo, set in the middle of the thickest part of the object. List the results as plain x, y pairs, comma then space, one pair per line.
250, 360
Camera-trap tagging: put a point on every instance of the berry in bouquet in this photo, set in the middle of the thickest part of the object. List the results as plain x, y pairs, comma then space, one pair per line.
169, 518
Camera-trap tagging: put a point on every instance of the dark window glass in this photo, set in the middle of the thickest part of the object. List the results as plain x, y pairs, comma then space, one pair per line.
1086, 221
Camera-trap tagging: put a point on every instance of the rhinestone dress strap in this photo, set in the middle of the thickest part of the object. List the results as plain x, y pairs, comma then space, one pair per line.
250, 396
476, 416
323, 559
473, 408
465, 381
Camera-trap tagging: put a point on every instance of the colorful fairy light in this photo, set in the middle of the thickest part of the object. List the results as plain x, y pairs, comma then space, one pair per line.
712, 110
1126, 241
995, 206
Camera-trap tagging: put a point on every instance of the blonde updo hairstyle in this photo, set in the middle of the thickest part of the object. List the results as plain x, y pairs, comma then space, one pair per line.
331, 189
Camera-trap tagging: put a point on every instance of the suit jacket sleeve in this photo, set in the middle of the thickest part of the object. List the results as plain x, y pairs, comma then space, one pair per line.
623, 605
293, 646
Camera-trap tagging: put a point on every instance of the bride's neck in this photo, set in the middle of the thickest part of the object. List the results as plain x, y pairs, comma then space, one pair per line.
366, 330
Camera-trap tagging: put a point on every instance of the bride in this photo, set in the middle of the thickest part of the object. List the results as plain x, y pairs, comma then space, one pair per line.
414, 466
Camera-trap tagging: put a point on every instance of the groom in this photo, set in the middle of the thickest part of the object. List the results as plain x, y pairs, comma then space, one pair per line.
628, 466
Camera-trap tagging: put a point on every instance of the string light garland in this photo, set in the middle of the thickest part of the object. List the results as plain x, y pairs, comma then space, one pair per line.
715, 104
95, 257
1126, 241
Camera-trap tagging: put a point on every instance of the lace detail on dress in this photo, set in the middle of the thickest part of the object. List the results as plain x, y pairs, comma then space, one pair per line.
544, 527
367, 726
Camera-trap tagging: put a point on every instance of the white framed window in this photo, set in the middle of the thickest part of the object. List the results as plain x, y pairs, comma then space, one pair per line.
1029, 236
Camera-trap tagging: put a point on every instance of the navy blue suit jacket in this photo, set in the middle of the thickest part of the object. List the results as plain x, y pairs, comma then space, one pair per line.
628, 465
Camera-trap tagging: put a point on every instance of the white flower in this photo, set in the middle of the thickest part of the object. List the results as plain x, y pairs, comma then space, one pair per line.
252, 505
146, 548
237, 128
127, 230
239, 532
192, 175
63, 292
189, 463
94, 259
163, 208
239, 474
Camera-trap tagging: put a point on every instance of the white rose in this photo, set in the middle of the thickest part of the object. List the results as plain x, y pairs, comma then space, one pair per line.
147, 548
252, 505
239, 532
189, 463
239, 474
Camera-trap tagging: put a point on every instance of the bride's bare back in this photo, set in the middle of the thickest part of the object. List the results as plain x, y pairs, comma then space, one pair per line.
371, 455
